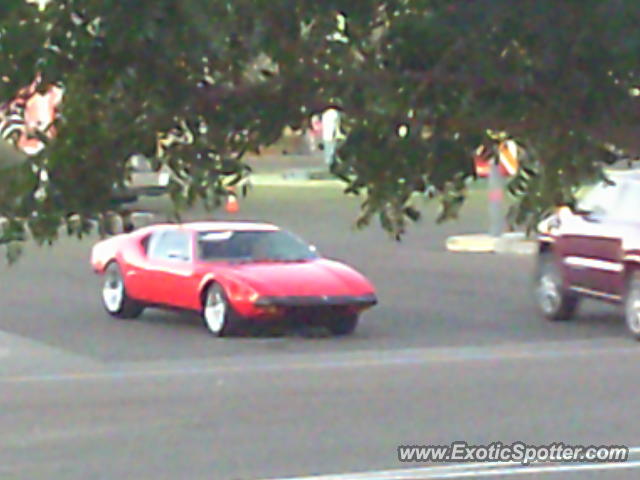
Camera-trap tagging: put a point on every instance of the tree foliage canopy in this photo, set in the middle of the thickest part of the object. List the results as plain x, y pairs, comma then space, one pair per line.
420, 83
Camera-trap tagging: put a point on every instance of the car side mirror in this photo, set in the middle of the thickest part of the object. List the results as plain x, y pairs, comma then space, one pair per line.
590, 215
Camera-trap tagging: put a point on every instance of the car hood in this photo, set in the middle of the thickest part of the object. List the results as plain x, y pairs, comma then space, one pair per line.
308, 278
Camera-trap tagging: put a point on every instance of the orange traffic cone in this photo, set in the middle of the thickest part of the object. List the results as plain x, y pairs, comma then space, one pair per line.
232, 205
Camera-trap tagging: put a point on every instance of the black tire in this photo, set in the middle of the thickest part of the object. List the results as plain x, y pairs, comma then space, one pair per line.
342, 324
632, 305
554, 302
120, 305
230, 323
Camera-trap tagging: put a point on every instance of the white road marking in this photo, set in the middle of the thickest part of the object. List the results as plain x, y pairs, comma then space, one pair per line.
505, 472
475, 470
400, 474
351, 360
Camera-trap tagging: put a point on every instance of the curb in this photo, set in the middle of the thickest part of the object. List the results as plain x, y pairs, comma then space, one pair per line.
508, 243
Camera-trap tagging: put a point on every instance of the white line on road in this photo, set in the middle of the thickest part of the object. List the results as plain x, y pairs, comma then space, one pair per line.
505, 472
469, 470
400, 474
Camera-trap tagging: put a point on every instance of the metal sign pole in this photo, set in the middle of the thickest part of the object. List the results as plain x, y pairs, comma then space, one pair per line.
496, 196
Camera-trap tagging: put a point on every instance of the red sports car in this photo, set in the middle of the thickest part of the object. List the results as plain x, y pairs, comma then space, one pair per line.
231, 273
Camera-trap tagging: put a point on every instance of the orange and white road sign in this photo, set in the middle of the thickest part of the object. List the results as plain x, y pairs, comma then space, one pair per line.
509, 156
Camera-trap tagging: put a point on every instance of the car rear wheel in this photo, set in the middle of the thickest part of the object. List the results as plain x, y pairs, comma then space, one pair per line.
114, 295
632, 305
343, 324
217, 313
553, 301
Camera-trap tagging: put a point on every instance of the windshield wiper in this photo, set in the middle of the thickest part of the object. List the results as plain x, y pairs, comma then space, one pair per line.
237, 261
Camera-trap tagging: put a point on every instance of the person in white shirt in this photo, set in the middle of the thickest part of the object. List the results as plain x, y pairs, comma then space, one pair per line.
330, 134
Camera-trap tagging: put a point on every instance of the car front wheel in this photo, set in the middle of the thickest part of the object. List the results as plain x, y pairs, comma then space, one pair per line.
553, 301
217, 313
632, 306
114, 295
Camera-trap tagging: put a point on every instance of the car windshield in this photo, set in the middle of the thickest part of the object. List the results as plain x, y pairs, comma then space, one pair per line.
253, 246
599, 198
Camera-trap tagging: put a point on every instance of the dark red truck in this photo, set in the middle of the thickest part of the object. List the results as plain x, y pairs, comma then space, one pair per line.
593, 250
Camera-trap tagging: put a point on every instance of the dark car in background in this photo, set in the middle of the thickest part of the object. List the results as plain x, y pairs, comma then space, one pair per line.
593, 250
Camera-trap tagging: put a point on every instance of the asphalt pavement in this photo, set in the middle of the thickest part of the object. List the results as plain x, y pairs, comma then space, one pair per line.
454, 351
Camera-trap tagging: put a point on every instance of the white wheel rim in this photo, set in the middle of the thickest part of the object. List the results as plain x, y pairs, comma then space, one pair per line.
548, 294
214, 311
633, 312
113, 291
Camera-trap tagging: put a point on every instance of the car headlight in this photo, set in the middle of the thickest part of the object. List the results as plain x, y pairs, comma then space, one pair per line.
240, 291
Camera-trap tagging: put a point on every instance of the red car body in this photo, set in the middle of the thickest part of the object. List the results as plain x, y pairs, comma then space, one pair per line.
260, 289
593, 250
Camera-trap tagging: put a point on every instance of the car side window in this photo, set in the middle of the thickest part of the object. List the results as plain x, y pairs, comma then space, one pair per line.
629, 206
602, 199
170, 245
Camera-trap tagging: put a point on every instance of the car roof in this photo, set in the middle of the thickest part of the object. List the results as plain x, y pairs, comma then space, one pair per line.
235, 226
630, 175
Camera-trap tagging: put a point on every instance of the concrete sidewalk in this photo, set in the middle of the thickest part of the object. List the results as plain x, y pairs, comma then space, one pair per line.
290, 170
515, 243
283, 164
291, 180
